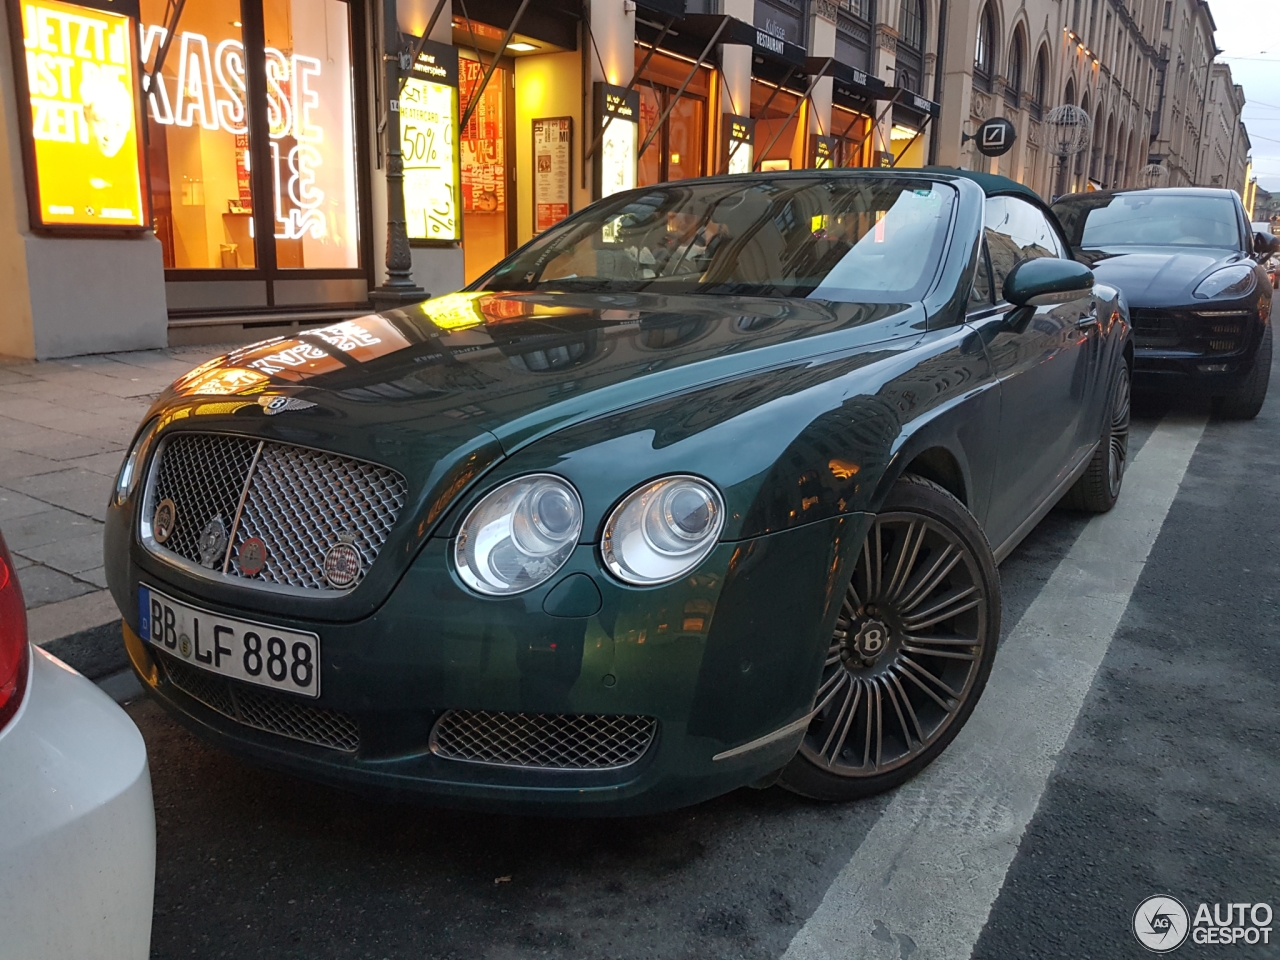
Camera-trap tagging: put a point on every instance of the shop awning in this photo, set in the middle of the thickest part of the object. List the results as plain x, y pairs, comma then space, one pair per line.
767, 48
853, 88
909, 107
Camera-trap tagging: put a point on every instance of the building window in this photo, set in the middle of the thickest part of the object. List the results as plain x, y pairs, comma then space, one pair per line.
984, 50
1039, 83
1168, 14
862, 9
911, 25
1013, 79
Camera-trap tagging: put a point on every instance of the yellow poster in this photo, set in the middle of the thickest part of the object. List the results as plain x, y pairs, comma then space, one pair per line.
83, 117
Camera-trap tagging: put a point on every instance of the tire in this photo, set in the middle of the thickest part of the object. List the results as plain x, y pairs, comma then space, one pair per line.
1245, 401
890, 701
1099, 486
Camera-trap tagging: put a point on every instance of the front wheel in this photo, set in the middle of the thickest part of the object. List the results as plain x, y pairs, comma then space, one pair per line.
1245, 402
911, 652
1099, 486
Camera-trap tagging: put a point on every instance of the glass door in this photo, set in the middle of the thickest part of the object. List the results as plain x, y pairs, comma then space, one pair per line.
253, 152
487, 142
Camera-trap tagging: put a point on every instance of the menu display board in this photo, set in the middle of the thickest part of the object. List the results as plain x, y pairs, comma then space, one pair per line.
822, 152
615, 166
432, 162
552, 172
739, 140
484, 148
78, 72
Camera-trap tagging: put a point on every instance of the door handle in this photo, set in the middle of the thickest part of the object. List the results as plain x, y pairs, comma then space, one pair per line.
1089, 319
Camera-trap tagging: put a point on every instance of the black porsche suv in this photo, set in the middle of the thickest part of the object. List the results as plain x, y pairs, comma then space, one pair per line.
1189, 267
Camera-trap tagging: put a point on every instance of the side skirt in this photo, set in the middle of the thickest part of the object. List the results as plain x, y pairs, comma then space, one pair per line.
1047, 504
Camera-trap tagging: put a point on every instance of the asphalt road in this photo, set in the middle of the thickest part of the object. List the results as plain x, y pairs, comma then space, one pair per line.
1167, 784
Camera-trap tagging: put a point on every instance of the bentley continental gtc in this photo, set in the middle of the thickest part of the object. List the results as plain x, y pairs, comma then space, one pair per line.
1190, 267
704, 487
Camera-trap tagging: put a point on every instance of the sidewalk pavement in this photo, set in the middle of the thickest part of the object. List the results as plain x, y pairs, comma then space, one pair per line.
64, 427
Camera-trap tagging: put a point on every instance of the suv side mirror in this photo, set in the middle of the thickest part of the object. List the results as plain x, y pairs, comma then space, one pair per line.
1046, 281
1265, 244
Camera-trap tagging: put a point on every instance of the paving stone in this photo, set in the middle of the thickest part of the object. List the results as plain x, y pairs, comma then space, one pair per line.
42, 585
55, 620
15, 463
26, 533
106, 464
56, 445
98, 575
81, 491
14, 504
74, 555
16, 372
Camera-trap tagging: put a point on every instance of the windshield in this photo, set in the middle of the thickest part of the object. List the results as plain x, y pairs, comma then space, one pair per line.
857, 239
1149, 220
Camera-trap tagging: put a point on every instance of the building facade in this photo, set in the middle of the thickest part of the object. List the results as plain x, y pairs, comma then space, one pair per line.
254, 163
1186, 49
1224, 142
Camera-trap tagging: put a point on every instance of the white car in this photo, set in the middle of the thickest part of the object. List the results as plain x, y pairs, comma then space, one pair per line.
78, 834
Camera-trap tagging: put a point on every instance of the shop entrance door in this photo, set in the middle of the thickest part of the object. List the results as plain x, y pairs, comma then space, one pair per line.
254, 155
488, 166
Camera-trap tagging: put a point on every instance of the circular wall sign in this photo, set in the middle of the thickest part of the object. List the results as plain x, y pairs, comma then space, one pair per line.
995, 137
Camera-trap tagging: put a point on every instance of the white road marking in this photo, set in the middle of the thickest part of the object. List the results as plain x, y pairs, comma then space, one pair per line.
922, 883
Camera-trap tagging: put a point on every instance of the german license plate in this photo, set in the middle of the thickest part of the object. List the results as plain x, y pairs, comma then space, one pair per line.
241, 649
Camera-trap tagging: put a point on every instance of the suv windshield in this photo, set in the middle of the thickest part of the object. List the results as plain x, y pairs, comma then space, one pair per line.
850, 238
1149, 220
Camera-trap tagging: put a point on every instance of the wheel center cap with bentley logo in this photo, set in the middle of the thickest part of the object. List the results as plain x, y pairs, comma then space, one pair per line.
871, 639
212, 543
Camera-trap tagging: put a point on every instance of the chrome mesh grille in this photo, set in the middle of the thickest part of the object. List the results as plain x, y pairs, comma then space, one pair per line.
203, 474
300, 502
545, 740
264, 710
319, 499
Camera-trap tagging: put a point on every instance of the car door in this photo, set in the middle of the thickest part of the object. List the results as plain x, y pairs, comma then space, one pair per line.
1042, 358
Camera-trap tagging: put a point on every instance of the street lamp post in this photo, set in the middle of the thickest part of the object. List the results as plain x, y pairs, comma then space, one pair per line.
398, 288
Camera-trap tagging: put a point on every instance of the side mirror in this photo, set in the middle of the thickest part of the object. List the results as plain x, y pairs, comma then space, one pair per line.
1046, 281
1265, 244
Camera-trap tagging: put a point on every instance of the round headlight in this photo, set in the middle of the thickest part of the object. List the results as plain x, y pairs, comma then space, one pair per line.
518, 535
127, 479
1233, 281
663, 530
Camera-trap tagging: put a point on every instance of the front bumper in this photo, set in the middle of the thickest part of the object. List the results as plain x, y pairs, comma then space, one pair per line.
721, 659
77, 849
1208, 352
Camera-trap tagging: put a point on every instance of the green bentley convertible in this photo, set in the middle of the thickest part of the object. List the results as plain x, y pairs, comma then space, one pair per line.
704, 487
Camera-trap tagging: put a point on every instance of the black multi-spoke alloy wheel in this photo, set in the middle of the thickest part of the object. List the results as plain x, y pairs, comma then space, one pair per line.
1245, 402
912, 648
1099, 486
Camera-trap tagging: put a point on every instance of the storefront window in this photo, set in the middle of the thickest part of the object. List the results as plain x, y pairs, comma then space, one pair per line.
679, 150
309, 110
778, 123
485, 142
202, 204
202, 153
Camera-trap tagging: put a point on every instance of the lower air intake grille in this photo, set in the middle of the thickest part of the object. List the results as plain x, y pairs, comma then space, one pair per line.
264, 710
547, 741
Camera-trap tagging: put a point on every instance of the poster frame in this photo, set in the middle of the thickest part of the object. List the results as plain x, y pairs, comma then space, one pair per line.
22, 95
533, 124
451, 54
624, 105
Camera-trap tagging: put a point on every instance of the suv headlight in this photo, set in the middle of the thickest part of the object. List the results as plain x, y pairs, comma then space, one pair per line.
127, 478
662, 530
1233, 281
519, 535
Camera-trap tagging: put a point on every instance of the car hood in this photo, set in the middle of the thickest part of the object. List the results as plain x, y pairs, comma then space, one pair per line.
1156, 276
444, 389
